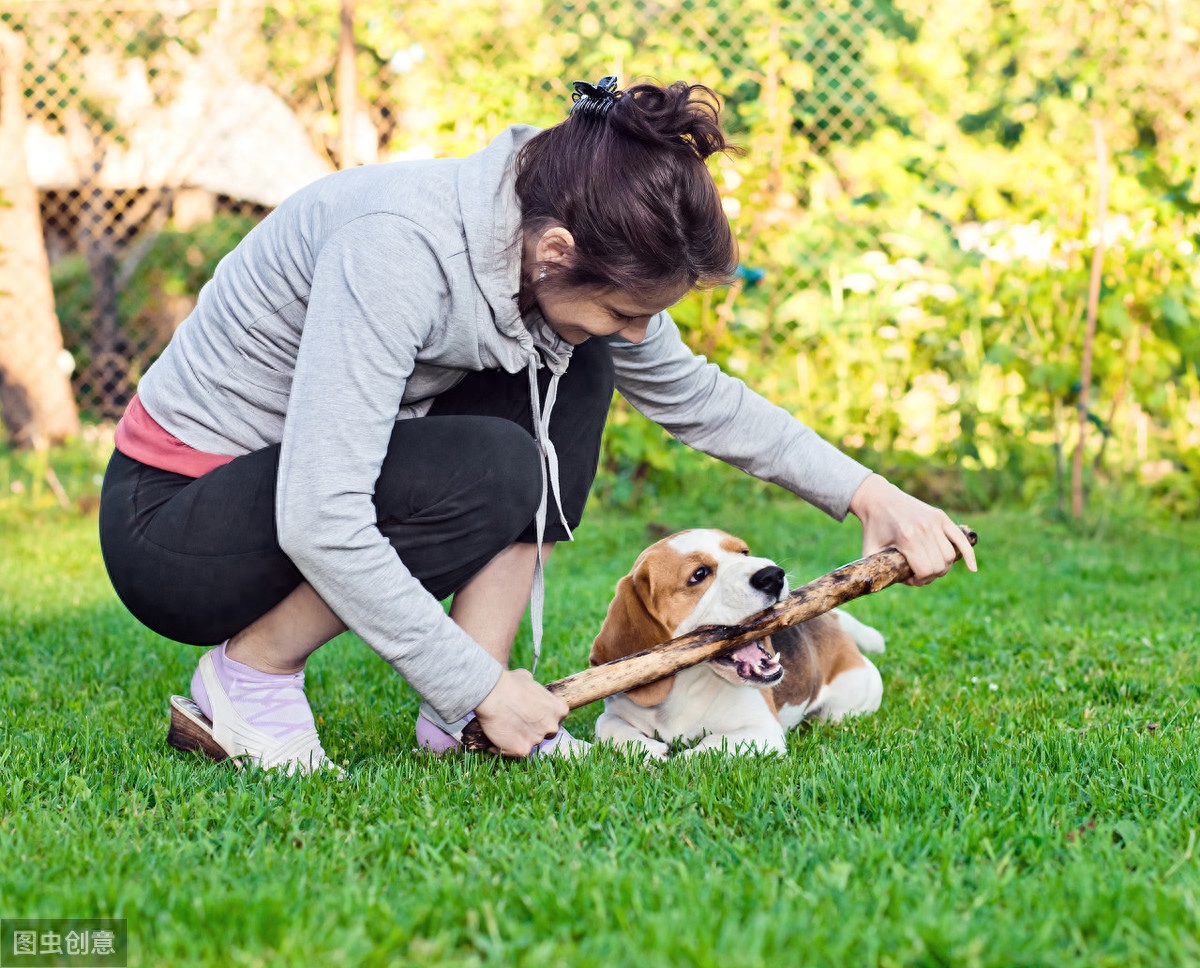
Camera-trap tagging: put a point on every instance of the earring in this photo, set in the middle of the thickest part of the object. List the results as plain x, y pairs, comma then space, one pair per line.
542, 277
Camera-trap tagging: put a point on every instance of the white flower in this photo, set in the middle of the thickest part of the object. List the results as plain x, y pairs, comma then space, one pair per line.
858, 282
1030, 243
969, 236
910, 294
1116, 228
405, 59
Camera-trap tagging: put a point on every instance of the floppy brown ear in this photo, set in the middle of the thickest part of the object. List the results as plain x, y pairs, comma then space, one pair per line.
628, 628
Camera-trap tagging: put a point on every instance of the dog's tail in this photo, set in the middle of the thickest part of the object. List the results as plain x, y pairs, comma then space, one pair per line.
865, 637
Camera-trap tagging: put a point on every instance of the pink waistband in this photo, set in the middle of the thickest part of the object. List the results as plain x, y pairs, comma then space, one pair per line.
142, 438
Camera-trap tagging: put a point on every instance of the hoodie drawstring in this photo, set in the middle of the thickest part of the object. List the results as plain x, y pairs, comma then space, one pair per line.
550, 483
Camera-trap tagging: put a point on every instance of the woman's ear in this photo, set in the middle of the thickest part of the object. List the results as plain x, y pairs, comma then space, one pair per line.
555, 246
628, 628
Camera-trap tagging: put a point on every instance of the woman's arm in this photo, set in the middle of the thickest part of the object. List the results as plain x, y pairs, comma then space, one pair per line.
719, 415
377, 291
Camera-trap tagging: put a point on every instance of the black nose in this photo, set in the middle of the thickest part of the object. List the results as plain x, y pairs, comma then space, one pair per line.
769, 580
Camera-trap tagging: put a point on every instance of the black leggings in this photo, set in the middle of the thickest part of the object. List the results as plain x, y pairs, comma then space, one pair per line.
197, 559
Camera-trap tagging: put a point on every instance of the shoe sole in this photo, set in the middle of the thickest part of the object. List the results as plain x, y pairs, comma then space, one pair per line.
191, 730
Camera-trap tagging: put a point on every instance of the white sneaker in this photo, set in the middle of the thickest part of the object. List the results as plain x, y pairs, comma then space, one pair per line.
229, 736
562, 745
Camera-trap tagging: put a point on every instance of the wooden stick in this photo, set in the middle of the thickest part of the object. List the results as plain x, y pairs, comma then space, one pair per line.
862, 577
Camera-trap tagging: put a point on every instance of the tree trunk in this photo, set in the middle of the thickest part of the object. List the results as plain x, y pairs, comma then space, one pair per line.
36, 402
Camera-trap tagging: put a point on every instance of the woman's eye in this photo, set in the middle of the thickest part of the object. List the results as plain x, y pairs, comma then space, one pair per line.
699, 575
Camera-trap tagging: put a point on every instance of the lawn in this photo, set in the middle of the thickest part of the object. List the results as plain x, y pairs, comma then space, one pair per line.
1027, 795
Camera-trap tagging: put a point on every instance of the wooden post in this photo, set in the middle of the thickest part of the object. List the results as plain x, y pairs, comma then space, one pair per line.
347, 85
1093, 308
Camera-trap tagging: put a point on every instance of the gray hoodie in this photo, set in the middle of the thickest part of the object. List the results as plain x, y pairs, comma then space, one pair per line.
352, 305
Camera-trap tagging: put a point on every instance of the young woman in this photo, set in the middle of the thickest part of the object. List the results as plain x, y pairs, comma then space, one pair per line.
393, 390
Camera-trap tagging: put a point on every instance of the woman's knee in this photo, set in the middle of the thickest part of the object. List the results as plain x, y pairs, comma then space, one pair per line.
513, 472
590, 380
483, 472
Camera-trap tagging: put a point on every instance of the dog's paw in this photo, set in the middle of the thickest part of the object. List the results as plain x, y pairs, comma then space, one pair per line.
733, 746
654, 749
643, 747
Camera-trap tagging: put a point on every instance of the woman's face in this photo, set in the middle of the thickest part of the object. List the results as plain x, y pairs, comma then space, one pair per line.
577, 315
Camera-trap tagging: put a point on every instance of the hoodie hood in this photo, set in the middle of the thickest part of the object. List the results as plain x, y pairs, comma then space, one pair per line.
491, 220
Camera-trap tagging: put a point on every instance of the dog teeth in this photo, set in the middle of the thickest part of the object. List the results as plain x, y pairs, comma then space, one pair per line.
751, 652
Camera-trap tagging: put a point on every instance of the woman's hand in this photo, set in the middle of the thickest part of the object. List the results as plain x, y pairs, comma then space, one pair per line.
926, 537
519, 713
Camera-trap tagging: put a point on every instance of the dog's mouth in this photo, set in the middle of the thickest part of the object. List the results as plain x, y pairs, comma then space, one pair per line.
753, 665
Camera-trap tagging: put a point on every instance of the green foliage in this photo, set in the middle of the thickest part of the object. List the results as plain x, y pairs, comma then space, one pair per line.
73, 302
915, 208
159, 292
181, 262
918, 290
38, 484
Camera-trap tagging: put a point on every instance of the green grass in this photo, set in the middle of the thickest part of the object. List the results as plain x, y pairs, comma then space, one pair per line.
1027, 795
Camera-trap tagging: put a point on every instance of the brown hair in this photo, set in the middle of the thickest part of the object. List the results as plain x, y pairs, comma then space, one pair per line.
631, 186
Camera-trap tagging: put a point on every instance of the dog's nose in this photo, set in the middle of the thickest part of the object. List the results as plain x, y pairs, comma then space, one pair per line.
769, 580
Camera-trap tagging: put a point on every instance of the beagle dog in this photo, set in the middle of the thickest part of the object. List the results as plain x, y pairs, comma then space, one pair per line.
744, 702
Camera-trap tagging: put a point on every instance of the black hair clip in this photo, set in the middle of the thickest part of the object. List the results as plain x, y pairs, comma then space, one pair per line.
595, 99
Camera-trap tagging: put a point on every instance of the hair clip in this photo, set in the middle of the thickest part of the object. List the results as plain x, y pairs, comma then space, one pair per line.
596, 98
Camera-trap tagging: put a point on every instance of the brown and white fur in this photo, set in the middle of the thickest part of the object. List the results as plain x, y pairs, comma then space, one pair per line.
744, 703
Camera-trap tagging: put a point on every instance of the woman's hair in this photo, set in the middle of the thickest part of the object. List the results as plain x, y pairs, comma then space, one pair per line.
630, 184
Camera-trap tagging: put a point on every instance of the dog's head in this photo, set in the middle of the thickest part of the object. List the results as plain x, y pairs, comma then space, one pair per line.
693, 578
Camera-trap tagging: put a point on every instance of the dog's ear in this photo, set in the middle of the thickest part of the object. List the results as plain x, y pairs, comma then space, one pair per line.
629, 627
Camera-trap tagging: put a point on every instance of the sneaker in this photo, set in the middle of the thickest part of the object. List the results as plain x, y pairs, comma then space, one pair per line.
228, 736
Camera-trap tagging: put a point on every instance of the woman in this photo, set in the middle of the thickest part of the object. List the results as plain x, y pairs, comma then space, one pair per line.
393, 391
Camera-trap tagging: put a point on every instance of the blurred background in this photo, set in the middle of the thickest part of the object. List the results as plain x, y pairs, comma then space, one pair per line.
968, 228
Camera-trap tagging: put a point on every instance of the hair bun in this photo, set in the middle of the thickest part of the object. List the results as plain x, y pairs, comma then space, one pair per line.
678, 115
624, 173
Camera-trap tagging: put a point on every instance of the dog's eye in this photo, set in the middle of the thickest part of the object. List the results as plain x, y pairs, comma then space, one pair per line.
746, 552
699, 575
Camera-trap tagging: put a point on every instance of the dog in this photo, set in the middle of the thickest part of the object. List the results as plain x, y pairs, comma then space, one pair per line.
744, 702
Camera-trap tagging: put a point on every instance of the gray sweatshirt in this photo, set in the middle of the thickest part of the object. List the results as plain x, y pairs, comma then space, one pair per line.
354, 304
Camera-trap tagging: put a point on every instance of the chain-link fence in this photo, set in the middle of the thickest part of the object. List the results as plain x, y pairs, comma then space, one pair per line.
154, 117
